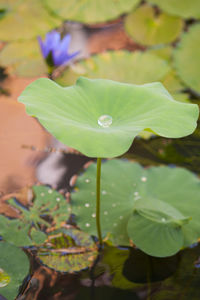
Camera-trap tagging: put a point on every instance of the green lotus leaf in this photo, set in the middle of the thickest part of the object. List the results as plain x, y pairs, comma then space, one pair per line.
20, 22
23, 58
156, 208
48, 204
148, 28
68, 250
187, 58
138, 67
90, 11
14, 266
15, 232
185, 9
100, 118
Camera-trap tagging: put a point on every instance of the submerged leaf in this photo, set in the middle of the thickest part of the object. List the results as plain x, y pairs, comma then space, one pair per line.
74, 114
156, 208
68, 250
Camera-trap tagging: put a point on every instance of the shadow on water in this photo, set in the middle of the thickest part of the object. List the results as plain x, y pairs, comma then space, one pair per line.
130, 274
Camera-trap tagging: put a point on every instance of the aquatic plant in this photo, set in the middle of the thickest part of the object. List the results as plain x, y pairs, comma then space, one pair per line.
55, 50
101, 118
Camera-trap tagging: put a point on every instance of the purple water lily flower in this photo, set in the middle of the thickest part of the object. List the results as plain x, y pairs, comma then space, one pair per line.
55, 50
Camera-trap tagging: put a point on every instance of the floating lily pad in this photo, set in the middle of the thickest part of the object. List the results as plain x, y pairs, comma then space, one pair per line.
88, 11
20, 21
173, 83
185, 9
48, 207
156, 208
68, 250
187, 58
124, 66
92, 111
162, 51
148, 28
23, 58
14, 266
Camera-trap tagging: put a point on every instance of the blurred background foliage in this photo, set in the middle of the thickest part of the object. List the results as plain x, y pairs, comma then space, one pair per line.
167, 34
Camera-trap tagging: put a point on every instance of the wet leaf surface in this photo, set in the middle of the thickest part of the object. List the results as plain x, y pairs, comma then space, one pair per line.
48, 208
15, 266
146, 206
68, 250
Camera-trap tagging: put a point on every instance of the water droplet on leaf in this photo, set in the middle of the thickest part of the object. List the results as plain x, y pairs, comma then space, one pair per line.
105, 121
143, 179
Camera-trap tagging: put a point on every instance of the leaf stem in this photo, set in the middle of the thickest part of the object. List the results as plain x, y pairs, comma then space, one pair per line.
98, 189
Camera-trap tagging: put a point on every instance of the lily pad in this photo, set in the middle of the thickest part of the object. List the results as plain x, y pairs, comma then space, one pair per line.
90, 11
110, 113
20, 21
172, 82
187, 58
148, 28
138, 67
68, 250
14, 266
23, 58
156, 208
48, 207
185, 9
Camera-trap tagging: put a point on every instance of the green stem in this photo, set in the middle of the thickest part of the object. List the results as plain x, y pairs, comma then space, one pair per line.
98, 190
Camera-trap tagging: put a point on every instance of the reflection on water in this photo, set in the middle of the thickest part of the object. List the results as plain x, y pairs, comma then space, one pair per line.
16, 163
